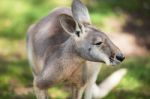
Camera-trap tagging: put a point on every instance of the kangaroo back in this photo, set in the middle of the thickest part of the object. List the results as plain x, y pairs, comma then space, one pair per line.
46, 34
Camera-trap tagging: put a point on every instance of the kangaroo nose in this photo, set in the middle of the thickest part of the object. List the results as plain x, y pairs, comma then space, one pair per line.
120, 57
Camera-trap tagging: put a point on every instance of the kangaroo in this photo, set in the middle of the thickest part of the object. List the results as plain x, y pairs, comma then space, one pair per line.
61, 44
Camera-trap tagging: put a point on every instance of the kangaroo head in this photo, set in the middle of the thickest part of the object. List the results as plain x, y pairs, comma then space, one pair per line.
90, 43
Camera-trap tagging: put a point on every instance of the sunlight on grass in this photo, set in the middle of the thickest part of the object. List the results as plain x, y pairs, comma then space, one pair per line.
129, 83
12, 47
62, 2
5, 79
14, 7
57, 93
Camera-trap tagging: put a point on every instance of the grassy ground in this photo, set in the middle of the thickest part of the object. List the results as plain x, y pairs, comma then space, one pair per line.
15, 75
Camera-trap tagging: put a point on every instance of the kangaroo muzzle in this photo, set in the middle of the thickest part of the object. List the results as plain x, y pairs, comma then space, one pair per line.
120, 57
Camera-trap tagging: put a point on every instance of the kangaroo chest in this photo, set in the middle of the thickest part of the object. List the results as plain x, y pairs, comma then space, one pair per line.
68, 71
77, 77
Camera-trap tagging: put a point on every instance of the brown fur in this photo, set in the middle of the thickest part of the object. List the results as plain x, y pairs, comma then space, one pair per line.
57, 57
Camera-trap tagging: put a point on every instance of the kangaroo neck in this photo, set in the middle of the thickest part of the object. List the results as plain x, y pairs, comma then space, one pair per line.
69, 51
64, 53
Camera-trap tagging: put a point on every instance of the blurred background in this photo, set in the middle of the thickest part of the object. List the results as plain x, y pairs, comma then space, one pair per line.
126, 22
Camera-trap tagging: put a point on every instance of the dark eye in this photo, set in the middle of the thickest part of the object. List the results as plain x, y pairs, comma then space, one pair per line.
98, 43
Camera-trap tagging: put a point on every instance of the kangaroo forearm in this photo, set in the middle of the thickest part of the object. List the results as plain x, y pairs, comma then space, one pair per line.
47, 78
42, 83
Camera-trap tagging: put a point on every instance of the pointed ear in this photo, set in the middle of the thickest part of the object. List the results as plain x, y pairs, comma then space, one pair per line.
69, 25
80, 12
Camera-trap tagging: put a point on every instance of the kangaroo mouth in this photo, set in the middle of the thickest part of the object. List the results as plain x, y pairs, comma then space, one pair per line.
114, 62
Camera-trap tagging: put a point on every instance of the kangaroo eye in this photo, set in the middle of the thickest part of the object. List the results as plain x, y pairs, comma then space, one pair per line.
98, 43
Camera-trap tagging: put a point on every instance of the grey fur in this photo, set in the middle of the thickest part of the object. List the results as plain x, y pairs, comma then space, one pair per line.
57, 54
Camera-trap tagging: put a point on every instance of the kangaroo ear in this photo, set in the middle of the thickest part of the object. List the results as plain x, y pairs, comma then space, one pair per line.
80, 12
69, 25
